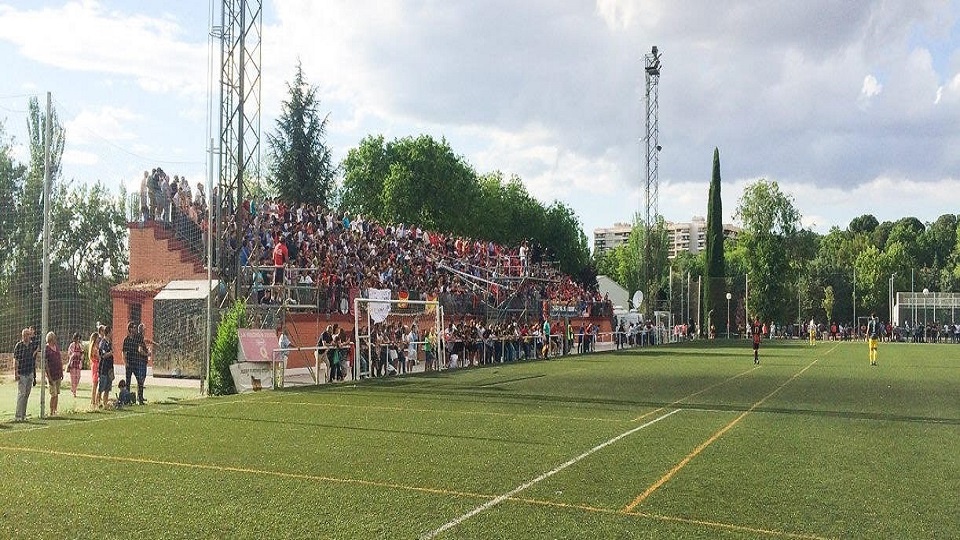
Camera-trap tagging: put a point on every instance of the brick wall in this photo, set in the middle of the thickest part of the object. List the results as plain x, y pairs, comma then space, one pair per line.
155, 255
156, 258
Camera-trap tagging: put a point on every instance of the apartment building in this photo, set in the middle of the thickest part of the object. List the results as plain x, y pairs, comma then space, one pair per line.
690, 236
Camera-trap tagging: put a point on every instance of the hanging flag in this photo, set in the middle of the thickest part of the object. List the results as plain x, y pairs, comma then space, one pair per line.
402, 296
378, 310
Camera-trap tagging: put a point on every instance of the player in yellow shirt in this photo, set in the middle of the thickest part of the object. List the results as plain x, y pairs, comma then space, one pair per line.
812, 330
873, 337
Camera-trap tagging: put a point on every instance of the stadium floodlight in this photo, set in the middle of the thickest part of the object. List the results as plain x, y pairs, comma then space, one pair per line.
729, 296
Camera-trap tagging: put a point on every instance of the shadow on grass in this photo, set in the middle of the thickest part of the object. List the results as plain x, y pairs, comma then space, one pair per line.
825, 413
364, 429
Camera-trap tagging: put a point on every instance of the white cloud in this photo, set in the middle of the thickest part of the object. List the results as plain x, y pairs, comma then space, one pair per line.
84, 36
20, 152
552, 90
79, 157
105, 123
871, 87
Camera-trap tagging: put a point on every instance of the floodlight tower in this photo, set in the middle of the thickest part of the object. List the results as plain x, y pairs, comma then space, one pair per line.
239, 126
651, 138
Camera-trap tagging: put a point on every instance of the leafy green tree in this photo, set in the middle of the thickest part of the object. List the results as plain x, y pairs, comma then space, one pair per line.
88, 251
13, 175
563, 236
880, 235
770, 222
411, 180
872, 270
715, 266
364, 170
907, 231
26, 250
301, 165
422, 181
866, 223
938, 240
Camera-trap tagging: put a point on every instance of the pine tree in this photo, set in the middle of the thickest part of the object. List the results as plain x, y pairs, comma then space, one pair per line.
714, 266
301, 165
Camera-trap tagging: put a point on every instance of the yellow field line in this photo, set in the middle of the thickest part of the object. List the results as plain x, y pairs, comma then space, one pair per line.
245, 470
78, 418
446, 411
696, 451
674, 519
569, 463
390, 485
697, 393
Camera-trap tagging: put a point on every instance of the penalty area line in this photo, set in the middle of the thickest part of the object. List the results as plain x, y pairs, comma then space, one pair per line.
491, 503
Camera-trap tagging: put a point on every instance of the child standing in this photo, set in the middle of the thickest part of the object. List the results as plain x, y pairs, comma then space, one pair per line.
75, 362
94, 355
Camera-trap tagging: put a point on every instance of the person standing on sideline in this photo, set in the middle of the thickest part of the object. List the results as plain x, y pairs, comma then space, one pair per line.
546, 338
94, 354
74, 362
143, 354
54, 370
131, 360
757, 332
812, 330
873, 337
25, 369
105, 369
283, 342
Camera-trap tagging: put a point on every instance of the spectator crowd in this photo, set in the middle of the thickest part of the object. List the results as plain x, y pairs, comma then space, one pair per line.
311, 255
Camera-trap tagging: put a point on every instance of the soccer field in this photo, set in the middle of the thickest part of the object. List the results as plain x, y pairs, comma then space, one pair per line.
682, 441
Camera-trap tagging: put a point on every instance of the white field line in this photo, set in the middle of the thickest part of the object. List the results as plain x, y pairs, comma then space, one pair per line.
490, 504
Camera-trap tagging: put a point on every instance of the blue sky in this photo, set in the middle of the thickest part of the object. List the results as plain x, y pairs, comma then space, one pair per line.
852, 107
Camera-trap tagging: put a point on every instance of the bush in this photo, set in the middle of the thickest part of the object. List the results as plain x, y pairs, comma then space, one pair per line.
225, 350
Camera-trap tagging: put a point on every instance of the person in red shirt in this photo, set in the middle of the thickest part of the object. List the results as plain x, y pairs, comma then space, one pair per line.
757, 332
280, 256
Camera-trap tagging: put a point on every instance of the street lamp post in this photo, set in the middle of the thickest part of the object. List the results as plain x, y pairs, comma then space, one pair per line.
729, 296
891, 301
926, 291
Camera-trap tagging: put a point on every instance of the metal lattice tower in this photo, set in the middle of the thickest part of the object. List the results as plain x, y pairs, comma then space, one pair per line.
239, 127
651, 137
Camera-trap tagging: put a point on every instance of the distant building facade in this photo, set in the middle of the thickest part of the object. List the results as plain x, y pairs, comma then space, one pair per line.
689, 236
607, 238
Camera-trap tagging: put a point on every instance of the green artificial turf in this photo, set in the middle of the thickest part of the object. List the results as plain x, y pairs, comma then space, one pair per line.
681, 441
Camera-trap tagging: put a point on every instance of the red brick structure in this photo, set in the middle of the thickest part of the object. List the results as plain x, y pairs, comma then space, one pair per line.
156, 259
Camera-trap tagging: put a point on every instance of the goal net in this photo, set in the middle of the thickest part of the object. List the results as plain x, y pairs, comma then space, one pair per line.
394, 336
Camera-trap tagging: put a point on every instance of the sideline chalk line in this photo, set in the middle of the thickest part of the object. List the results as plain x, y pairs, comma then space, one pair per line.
490, 504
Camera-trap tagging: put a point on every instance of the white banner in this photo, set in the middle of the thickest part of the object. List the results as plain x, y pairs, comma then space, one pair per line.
252, 376
378, 310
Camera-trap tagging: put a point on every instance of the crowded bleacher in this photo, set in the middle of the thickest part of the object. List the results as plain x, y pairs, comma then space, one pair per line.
313, 256
287, 250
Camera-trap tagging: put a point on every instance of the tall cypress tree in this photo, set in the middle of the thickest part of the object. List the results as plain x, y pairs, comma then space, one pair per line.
302, 168
715, 268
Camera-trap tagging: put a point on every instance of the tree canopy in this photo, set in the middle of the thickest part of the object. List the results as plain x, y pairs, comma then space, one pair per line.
421, 180
771, 224
88, 252
301, 164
